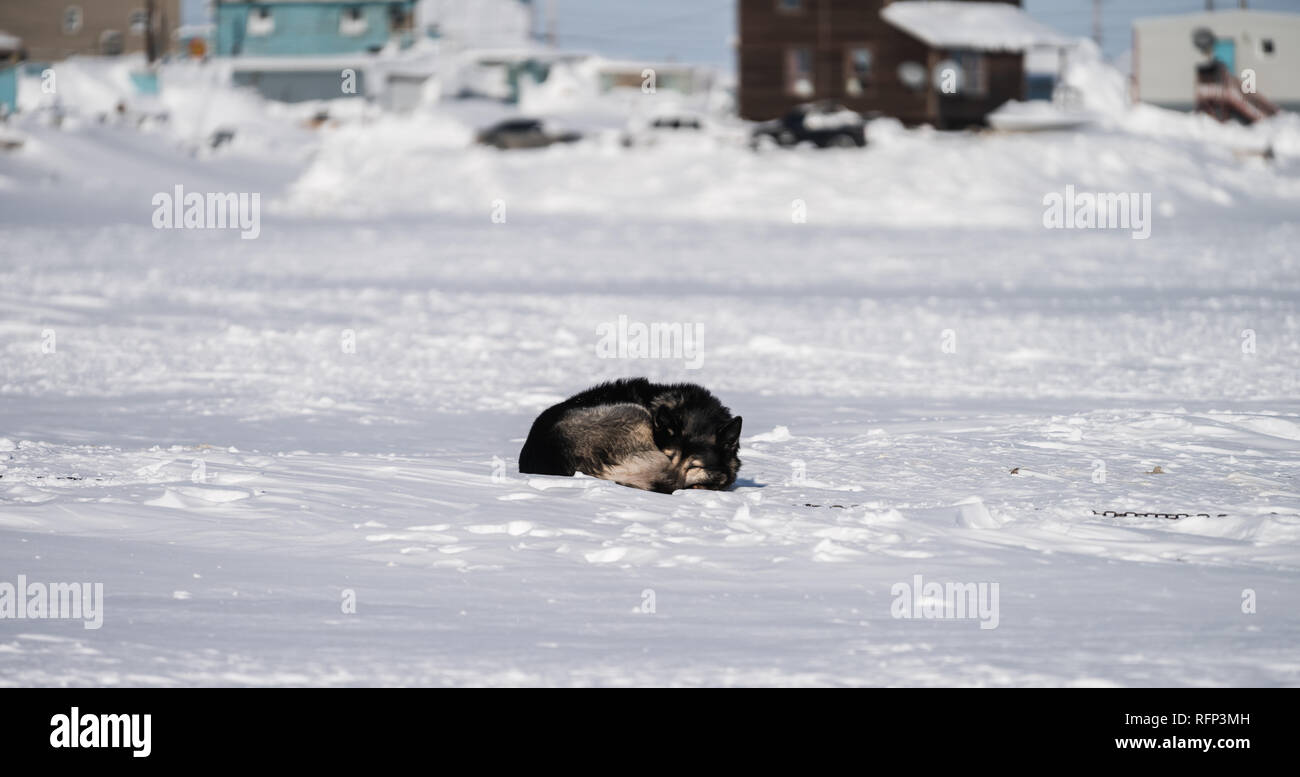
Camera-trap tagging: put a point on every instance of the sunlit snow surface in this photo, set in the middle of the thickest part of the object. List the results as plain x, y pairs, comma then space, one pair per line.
201, 444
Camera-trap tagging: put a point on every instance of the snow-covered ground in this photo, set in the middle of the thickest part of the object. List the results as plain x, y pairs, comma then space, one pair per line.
932, 384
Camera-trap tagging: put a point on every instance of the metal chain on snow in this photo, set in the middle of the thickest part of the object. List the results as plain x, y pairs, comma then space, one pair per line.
1169, 516
1102, 513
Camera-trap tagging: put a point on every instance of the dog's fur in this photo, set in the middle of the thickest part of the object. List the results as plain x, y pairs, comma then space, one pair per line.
653, 436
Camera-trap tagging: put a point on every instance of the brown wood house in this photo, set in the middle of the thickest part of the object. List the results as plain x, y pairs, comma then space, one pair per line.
948, 64
52, 30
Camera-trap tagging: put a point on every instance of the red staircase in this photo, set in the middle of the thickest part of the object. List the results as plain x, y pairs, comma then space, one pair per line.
1219, 94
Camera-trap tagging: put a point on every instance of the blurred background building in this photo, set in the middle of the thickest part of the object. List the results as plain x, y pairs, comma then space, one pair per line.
50, 31
874, 56
1239, 64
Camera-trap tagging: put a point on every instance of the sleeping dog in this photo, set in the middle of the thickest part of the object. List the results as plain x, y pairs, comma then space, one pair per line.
653, 436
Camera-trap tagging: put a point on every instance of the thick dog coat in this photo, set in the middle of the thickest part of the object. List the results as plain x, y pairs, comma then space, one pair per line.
657, 437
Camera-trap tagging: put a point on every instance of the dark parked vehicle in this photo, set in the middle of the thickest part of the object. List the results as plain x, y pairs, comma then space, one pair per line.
523, 133
677, 123
824, 124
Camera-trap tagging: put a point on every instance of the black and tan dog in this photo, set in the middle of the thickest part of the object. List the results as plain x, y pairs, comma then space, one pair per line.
657, 437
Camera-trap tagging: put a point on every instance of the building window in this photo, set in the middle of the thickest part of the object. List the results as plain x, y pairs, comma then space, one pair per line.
353, 22
260, 22
857, 70
398, 18
789, 6
799, 72
72, 20
974, 78
110, 43
138, 22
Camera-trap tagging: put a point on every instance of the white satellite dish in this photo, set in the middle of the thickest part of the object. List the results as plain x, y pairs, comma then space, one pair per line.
912, 74
1203, 39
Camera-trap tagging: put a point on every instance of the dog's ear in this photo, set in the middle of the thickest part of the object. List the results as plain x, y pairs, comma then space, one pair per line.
729, 434
666, 424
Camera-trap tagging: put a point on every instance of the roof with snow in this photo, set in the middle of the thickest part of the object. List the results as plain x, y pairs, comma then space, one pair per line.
313, 2
1243, 17
979, 26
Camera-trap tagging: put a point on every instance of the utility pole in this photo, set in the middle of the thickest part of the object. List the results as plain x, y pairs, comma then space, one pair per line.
150, 37
1096, 22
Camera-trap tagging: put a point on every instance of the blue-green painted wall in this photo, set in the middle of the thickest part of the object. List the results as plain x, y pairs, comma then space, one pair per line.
8, 88
304, 29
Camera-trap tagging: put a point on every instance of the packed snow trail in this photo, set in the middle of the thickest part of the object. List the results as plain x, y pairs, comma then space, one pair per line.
200, 444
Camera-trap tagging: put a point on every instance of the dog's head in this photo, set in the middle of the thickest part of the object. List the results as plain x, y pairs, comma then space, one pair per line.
702, 448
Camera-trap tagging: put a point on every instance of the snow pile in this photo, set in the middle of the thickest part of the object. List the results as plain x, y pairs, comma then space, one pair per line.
1193, 167
905, 177
827, 121
569, 87
1099, 86
195, 99
1036, 115
366, 162
1102, 91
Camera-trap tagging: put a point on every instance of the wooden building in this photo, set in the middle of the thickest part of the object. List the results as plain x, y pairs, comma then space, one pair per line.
52, 30
944, 63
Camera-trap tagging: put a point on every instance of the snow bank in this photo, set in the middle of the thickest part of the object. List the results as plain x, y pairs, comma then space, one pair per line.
364, 162
903, 178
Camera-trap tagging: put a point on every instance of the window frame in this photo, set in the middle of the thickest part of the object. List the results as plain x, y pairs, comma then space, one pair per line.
353, 21
142, 24
865, 82
974, 65
80, 16
791, 56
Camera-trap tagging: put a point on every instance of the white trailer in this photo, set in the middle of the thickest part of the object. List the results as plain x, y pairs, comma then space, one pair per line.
1262, 45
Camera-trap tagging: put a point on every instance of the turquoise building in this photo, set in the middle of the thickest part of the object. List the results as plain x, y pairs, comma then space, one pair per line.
8, 89
311, 28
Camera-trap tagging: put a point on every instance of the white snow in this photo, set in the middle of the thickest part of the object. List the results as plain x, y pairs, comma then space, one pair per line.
971, 25
197, 440
1036, 116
